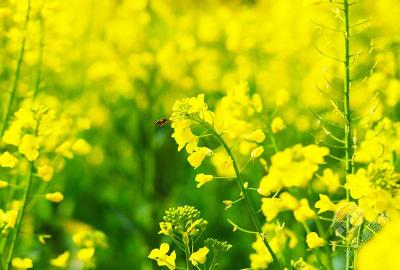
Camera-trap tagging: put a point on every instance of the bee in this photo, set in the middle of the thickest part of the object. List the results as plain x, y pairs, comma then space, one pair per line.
161, 122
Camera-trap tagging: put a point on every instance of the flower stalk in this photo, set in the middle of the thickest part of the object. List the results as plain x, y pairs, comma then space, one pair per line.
20, 217
15, 80
245, 195
348, 143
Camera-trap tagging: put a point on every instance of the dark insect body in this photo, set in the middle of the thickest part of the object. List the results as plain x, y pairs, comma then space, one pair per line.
161, 122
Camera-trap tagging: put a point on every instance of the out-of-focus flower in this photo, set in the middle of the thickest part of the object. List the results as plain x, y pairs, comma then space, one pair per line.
313, 240
22, 263
55, 197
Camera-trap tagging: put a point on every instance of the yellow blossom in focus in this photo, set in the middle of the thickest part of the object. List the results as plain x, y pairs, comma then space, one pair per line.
277, 125
313, 240
22, 263
199, 257
202, 178
160, 255
55, 197
166, 228
7, 160
199, 154
61, 260
45, 172
29, 147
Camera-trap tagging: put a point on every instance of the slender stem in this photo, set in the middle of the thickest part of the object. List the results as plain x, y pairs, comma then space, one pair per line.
348, 143
272, 138
243, 191
187, 254
36, 83
15, 80
14, 239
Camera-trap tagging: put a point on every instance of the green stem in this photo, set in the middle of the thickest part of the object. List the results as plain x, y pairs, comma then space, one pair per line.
21, 211
317, 250
348, 143
14, 83
326, 247
243, 191
36, 83
187, 254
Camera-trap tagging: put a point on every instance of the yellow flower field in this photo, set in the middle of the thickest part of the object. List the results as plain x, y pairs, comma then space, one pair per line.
214, 134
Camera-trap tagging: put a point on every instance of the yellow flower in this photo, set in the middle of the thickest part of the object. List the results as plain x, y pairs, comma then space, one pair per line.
22, 264
197, 104
289, 201
183, 135
358, 184
202, 178
81, 147
13, 134
65, 149
199, 154
304, 212
282, 97
160, 255
315, 153
199, 257
313, 240
25, 118
166, 228
45, 172
330, 180
55, 197
85, 254
324, 204
271, 207
257, 136
382, 251
277, 125
257, 152
7, 160
61, 260
270, 183
29, 147
10, 218
3, 184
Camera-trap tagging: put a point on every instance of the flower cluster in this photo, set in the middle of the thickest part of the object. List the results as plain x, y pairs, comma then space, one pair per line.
184, 226
293, 167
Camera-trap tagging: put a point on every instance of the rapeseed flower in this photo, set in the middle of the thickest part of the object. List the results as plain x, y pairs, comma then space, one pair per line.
162, 258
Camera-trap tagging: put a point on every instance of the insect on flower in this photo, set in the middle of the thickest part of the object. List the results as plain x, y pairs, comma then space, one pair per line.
161, 122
